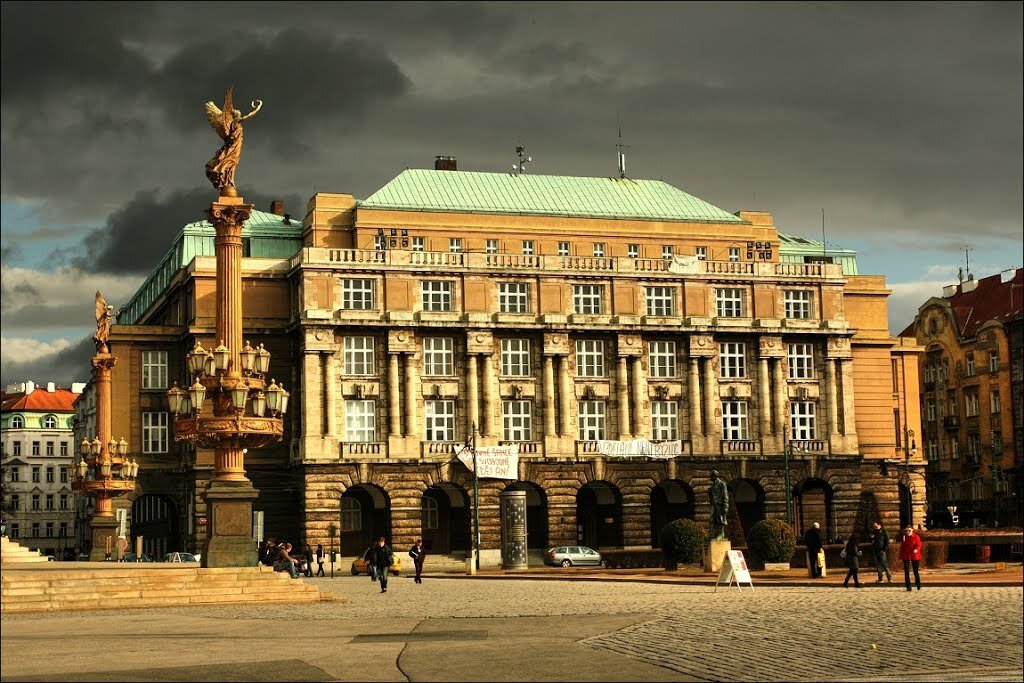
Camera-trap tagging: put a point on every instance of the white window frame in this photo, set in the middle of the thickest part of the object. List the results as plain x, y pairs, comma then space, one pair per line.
590, 358
154, 369
995, 401
529, 247
701, 253
734, 253
732, 360
993, 361
359, 356
970, 365
591, 420
514, 297
515, 358
588, 299
803, 420
563, 249
797, 304
930, 411
801, 361
491, 246
664, 420
455, 245
437, 295
972, 406
517, 420
361, 421
439, 420
357, 294
155, 432
600, 248
661, 300
667, 251
380, 243
729, 302
735, 425
419, 244
632, 251
438, 356
661, 359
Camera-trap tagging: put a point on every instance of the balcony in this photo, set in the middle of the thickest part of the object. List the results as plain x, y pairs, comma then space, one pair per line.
349, 449
740, 446
586, 448
432, 448
951, 423
526, 447
591, 448
809, 446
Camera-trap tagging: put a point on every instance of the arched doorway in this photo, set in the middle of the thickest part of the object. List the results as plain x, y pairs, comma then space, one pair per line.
536, 514
599, 515
670, 500
365, 515
155, 518
812, 500
749, 497
906, 506
445, 519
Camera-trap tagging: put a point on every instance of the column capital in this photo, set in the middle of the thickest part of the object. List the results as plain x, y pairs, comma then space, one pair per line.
479, 342
401, 341
630, 345
838, 348
770, 346
556, 344
702, 346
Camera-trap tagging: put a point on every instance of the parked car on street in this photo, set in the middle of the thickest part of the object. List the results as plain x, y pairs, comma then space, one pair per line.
359, 565
181, 557
572, 555
132, 557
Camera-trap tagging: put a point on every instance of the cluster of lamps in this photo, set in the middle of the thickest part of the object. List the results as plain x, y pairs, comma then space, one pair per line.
127, 469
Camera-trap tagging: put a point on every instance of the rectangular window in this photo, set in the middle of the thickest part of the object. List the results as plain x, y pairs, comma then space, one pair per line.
993, 361
995, 402
379, 242
15, 530
361, 421
35, 529
633, 250
15, 502
357, 294
514, 297
63, 449
661, 358
50, 503
491, 246
563, 248
734, 253
667, 251
50, 449
971, 405
701, 253
734, 421
732, 360
35, 448
437, 295
36, 473
970, 364
931, 450
664, 420
729, 302
15, 474
439, 419
438, 356
358, 356
930, 411
598, 248
801, 361
154, 369
591, 420
51, 475
515, 357
797, 303
63, 474
154, 432
455, 245
418, 244
588, 299
36, 504
589, 358
802, 420
49, 529
17, 448
528, 247
661, 301
517, 420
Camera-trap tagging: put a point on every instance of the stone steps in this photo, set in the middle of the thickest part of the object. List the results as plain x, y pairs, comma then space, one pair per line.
14, 553
34, 589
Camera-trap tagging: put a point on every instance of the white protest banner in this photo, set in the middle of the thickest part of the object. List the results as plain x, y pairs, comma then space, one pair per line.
688, 265
640, 448
492, 462
734, 568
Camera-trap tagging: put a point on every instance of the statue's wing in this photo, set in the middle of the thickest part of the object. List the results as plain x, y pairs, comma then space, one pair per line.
216, 118
101, 307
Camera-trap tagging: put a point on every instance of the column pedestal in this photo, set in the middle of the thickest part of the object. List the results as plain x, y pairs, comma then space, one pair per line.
714, 555
229, 507
104, 536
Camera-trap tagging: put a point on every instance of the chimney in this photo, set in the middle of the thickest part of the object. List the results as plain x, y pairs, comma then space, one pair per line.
969, 285
948, 291
277, 207
51, 387
442, 163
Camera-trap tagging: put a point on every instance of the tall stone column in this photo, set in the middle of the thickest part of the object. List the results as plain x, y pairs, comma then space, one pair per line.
566, 396
548, 391
473, 393
639, 396
622, 388
331, 390
848, 421
312, 393
779, 382
696, 424
764, 408
411, 390
831, 389
710, 390
394, 398
489, 381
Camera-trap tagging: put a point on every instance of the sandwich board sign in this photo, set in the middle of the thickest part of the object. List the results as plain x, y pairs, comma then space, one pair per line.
734, 568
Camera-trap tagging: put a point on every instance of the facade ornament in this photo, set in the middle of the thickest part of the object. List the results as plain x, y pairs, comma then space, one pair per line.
227, 123
517, 392
588, 393
662, 392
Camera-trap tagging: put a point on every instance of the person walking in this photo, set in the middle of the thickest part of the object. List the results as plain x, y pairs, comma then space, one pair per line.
320, 556
879, 548
307, 561
851, 553
910, 554
381, 558
812, 539
417, 553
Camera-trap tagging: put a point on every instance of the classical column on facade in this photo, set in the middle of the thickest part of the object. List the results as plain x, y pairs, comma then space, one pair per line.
639, 396
331, 389
548, 392
831, 391
709, 387
394, 396
779, 389
622, 389
764, 407
487, 426
312, 399
696, 424
472, 393
846, 419
840, 386
566, 397
411, 389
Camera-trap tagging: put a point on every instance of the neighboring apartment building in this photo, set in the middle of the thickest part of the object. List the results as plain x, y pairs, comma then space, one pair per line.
971, 399
36, 451
551, 312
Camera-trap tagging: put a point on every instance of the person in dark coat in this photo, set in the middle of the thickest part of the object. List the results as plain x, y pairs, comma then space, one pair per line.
418, 553
812, 539
381, 558
879, 548
320, 555
307, 561
851, 553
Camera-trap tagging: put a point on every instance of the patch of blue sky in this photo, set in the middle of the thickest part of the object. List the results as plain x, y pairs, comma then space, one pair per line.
32, 240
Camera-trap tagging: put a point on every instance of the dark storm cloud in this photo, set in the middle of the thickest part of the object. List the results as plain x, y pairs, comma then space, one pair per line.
63, 367
138, 234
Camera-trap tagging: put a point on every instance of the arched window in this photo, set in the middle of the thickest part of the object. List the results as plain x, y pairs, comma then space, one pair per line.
17, 422
351, 514
429, 513
50, 422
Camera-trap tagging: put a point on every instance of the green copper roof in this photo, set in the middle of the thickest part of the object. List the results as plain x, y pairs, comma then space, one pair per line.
542, 195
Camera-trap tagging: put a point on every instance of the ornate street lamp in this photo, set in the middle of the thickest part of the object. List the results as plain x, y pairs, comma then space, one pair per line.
248, 356
175, 397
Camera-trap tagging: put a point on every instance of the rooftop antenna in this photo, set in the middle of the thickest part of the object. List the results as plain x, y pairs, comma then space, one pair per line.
620, 155
523, 160
967, 253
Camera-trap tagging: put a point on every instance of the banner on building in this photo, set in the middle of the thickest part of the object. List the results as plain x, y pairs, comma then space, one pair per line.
640, 448
492, 462
685, 265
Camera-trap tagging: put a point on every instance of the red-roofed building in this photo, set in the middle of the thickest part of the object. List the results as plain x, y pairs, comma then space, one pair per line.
971, 399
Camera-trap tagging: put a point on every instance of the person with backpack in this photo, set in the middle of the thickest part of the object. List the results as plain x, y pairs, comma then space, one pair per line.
879, 548
380, 558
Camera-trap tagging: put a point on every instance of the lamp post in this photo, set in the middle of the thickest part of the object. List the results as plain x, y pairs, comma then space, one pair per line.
789, 490
996, 472
471, 444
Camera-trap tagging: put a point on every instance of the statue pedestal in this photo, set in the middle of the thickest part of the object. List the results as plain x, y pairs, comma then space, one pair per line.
714, 555
104, 538
230, 542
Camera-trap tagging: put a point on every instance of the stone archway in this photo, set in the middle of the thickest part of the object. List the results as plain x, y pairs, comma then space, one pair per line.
813, 502
536, 514
749, 497
445, 519
671, 499
599, 515
365, 515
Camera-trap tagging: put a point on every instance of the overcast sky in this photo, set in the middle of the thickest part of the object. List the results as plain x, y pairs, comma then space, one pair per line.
902, 121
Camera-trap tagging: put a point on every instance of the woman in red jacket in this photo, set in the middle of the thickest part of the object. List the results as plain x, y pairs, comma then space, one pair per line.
910, 553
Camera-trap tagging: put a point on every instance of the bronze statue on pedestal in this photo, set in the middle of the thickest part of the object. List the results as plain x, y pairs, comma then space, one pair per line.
718, 494
227, 123
102, 323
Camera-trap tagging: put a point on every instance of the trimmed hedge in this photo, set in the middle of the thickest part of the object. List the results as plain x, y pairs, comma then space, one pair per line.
633, 559
682, 542
771, 540
935, 553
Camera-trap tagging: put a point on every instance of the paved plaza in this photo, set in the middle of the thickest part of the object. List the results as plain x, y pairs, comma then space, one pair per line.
508, 630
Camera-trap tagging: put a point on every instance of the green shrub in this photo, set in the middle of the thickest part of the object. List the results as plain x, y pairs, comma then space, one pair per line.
632, 559
683, 541
934, 553
771, 540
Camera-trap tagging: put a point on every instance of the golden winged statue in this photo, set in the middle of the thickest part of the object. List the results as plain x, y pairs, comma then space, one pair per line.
102, 323
227, 123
